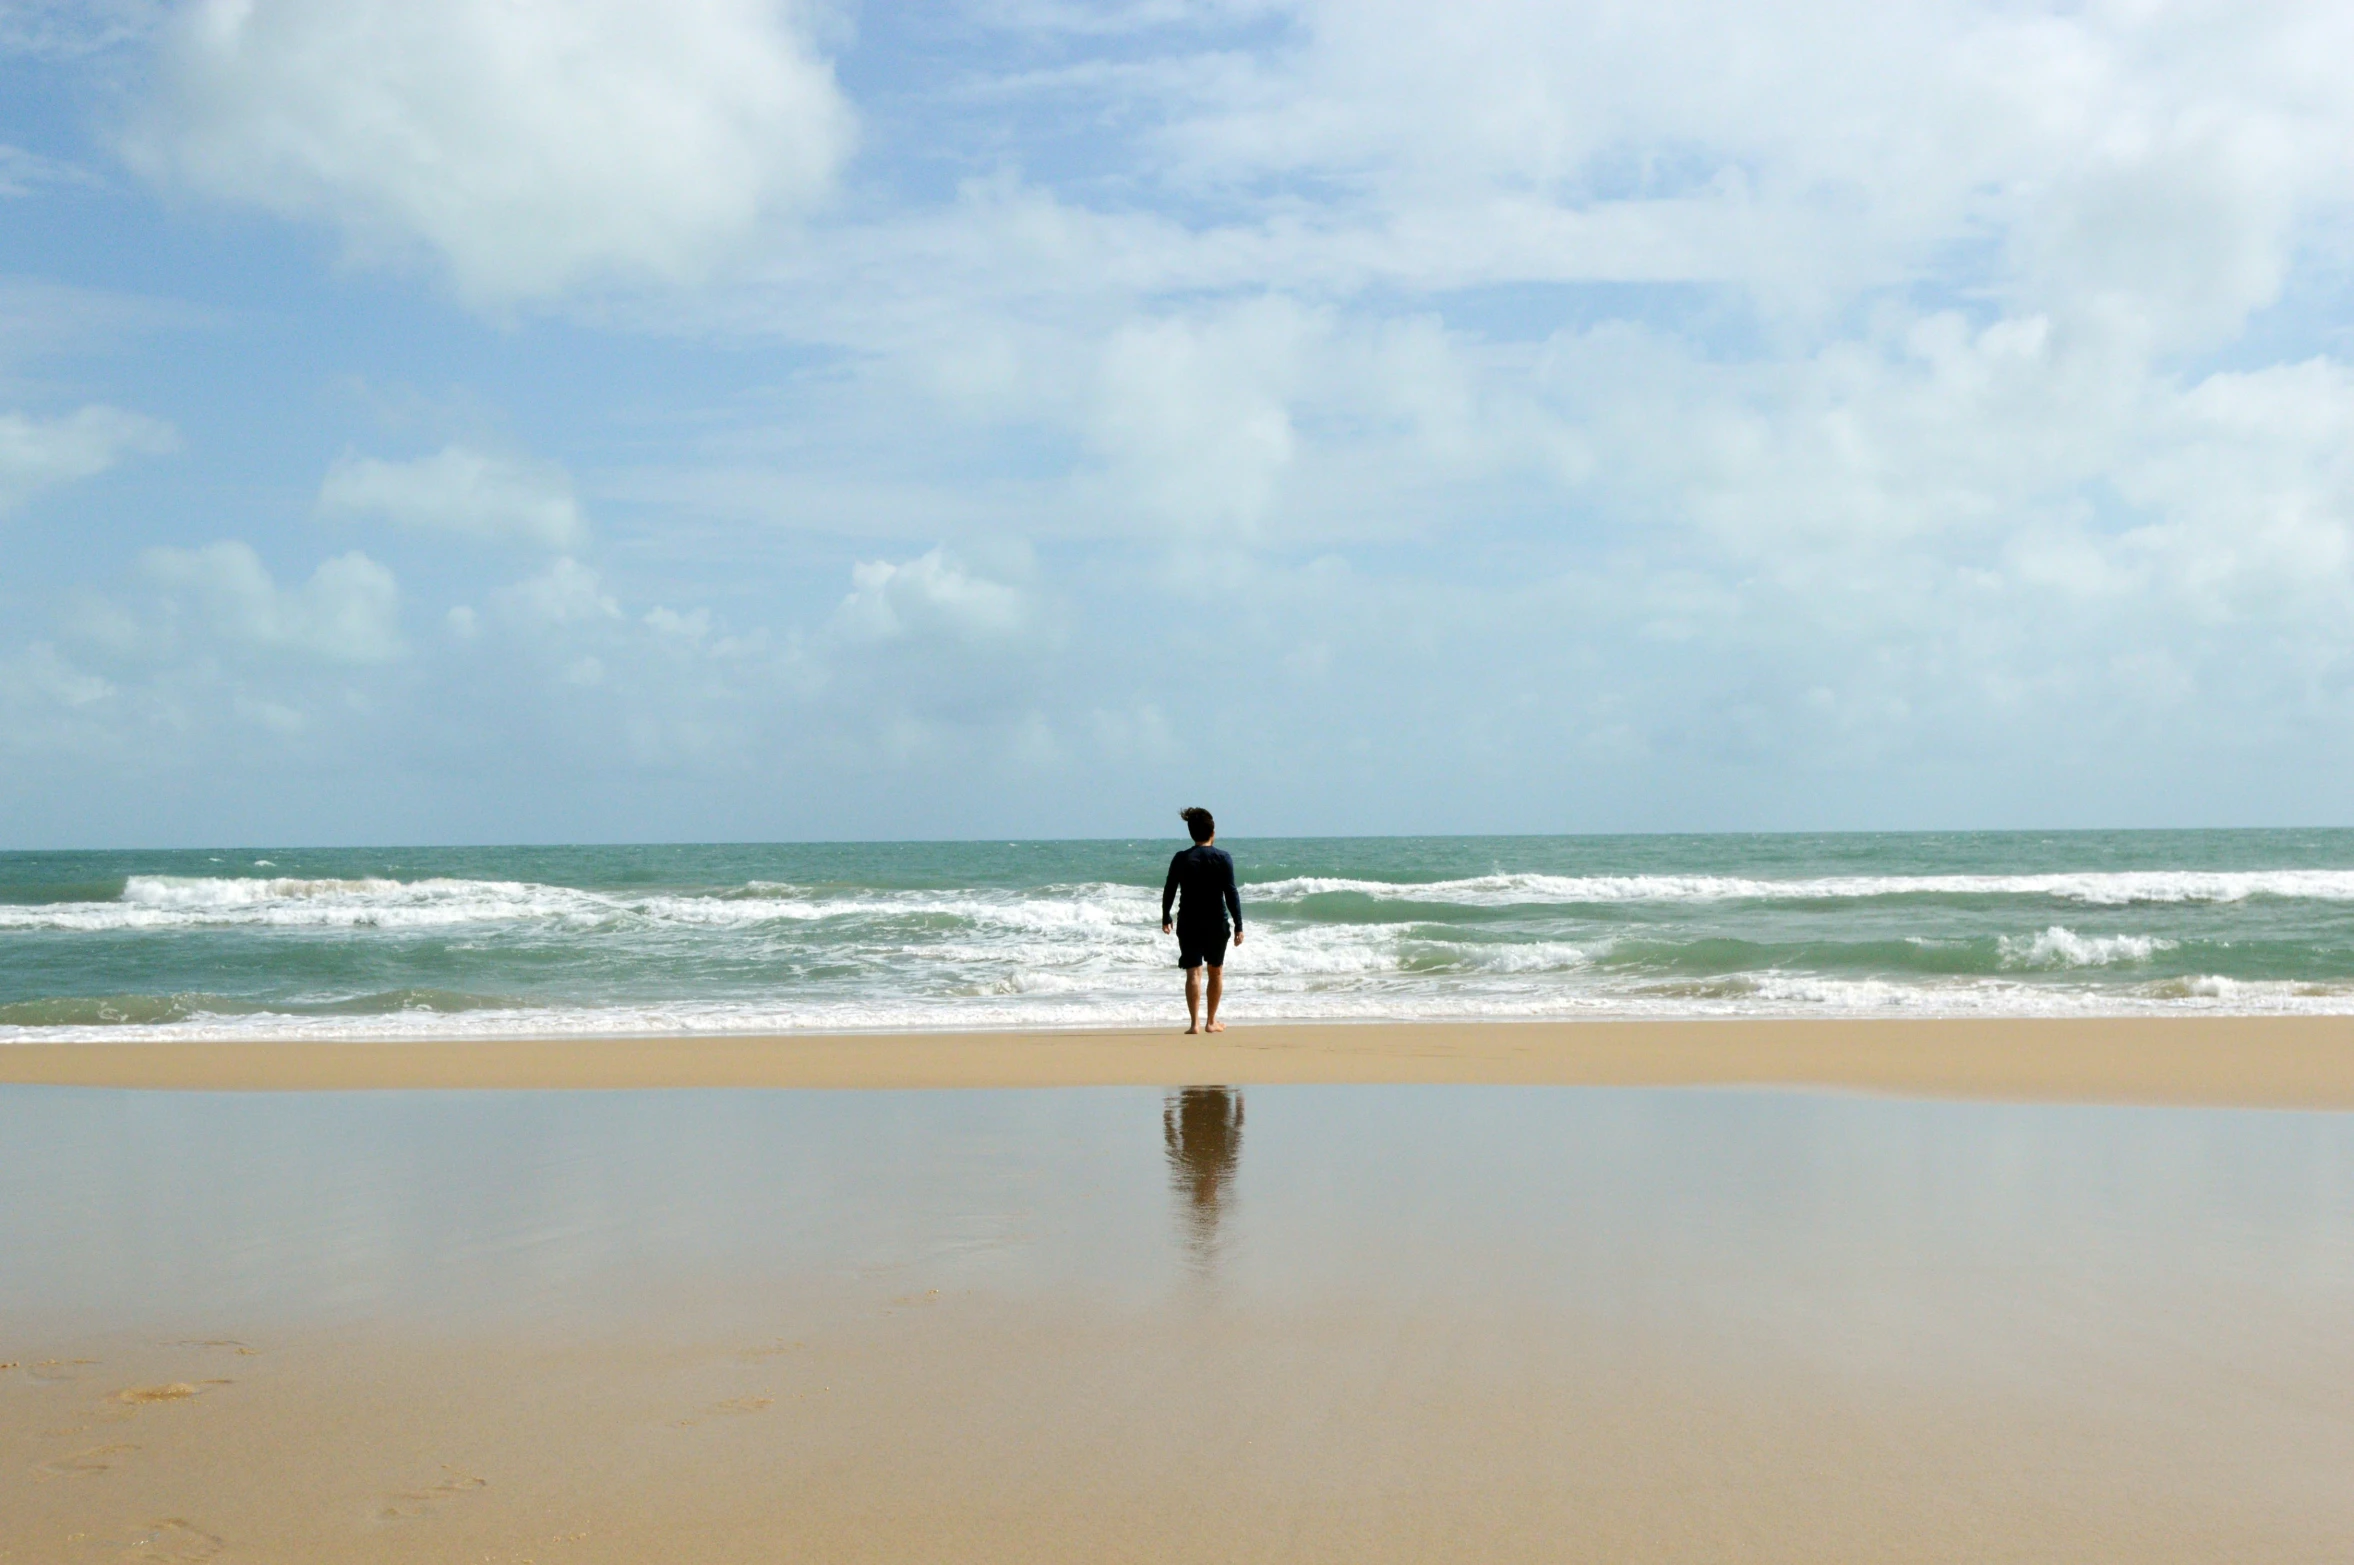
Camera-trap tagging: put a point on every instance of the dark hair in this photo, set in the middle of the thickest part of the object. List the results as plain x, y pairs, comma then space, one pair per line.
1199, 822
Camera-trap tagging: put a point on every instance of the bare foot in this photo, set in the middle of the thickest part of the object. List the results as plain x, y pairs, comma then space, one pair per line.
1215, 1027
1190, 1031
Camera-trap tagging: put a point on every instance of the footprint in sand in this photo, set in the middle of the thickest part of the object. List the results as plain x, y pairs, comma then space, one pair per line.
60, 1369
731, 1408
175, 1539
177, 1391
87, 1464
775, 1350
419, 1503
241, 1350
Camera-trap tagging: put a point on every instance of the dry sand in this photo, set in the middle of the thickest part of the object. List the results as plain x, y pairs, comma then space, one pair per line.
2286, 1062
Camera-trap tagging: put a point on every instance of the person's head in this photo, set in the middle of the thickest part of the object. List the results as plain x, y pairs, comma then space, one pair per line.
1198, 821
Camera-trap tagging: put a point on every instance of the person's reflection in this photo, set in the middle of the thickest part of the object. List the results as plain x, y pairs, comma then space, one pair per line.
1202, 1129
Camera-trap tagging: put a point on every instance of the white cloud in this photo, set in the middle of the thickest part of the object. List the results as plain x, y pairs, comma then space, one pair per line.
39, 674
690, 628
349, 611
566, 593
1195, 416
463, 491
2150, 163
1265, 422
531, 144
2147, 170
38, 453
931, 597
2248, 478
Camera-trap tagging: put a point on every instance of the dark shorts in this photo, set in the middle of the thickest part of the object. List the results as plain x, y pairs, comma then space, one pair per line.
1196, 946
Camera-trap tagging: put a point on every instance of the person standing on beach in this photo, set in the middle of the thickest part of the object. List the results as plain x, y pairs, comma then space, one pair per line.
1205, 873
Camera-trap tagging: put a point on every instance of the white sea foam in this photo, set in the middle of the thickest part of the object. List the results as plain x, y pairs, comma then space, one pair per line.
163, 902
1425, 954
2246, 994
2061, 947
2099, 888
173, 901
1036, 1002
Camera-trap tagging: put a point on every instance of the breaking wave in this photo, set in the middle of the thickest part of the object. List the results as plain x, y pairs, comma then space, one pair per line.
168, 902
165, 901
2058, 947
2100, 889
462, 943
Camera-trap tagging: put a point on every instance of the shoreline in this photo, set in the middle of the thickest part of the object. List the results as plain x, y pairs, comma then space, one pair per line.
2300, 1062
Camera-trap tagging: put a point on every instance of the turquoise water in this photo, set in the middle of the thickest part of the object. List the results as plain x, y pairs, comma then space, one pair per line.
359, 942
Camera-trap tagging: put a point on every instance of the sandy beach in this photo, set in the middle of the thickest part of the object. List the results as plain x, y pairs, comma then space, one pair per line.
2257, 1061
936, 1427
1956, 1290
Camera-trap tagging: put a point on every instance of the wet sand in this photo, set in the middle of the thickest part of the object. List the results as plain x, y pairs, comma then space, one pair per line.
958, 1428
1269, 1323
2242, 1060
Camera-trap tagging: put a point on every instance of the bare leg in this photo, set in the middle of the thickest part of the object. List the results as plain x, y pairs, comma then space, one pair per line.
1193, 999
1217, 988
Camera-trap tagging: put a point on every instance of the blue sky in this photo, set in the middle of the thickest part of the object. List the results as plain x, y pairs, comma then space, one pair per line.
644, 419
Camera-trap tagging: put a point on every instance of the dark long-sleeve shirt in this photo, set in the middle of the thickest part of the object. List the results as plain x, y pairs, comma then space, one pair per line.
1206, 876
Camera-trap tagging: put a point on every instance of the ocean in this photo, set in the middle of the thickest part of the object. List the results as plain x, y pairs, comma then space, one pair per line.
415, 942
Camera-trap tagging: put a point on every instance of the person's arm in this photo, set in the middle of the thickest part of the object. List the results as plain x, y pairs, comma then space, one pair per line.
1233, 902
1169, 891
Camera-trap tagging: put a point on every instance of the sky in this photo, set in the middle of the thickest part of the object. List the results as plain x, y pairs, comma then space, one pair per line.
620, 420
